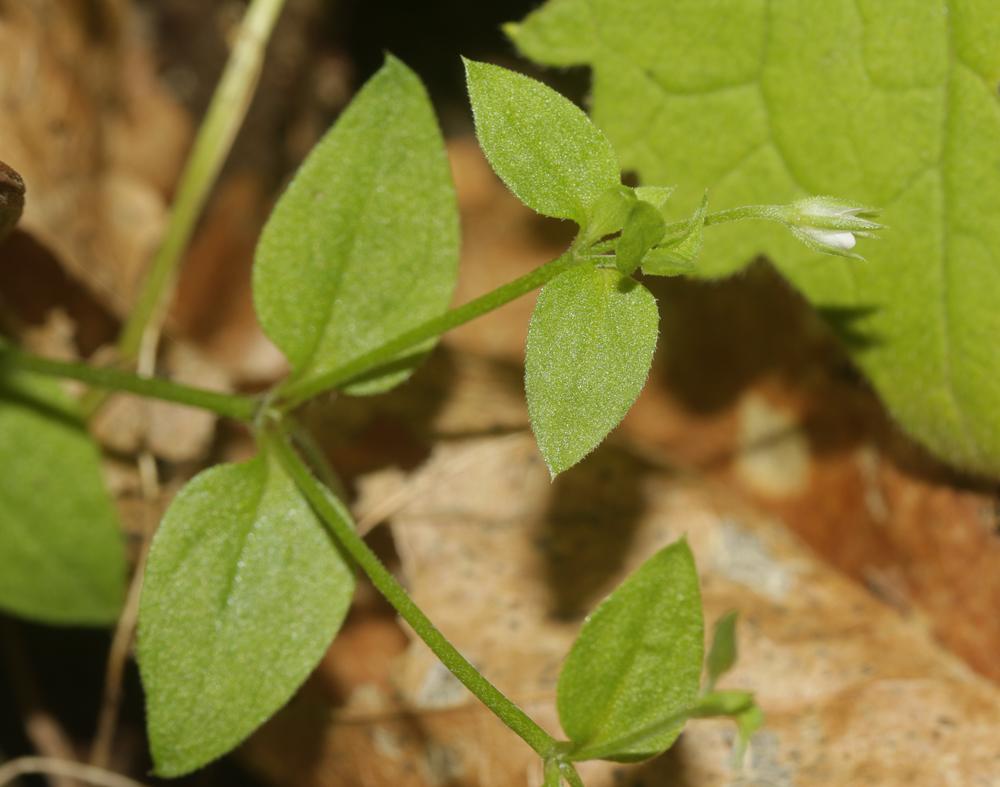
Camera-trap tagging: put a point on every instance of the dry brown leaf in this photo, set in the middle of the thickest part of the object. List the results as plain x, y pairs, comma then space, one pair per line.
750, 388
126, 423
95, 137
507, 564
213, 306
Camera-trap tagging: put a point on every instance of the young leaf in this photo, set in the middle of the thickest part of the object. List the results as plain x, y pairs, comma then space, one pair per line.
61, 554
657, 196
784, 100
590, 345
363, 244
643, 229
678, 255
747, 723
633, 673
540, 144
244, 591
610, 211
722, 654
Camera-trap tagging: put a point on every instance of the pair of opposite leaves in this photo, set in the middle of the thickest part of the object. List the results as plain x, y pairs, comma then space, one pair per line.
244, 589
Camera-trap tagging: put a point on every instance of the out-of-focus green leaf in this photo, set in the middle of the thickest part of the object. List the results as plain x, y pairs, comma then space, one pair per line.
61, 554
723, 652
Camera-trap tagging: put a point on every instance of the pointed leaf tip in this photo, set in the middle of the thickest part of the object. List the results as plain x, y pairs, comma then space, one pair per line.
541, 145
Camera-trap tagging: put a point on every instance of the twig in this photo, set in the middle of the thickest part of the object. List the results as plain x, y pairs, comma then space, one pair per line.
215, 138
121, 643
62, 769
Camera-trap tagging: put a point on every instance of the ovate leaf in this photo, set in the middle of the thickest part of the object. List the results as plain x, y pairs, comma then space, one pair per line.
244, 591
363, 244
590, 345
891, 103
633, 673
61, 554
540, 144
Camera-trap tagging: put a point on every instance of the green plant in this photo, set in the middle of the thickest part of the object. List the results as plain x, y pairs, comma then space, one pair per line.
252, 569
893, 103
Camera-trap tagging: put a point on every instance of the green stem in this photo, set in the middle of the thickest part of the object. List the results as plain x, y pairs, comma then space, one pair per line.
297, 392
241, 408
763, 212
338, 520
215, 138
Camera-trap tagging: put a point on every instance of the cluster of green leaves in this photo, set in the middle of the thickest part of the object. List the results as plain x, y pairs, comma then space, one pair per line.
344, 264
894, 102
594, 328
248, 577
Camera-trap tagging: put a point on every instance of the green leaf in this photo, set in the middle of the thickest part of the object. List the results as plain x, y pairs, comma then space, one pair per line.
643, 229
540, 144
722, 655
243, 593
633, 673
747, 723
590, 345
61, 555
892, 103
610, 211
678, 255
657, 196
363, 245
721, 703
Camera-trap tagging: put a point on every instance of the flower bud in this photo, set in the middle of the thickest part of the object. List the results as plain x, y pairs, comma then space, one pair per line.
830, 225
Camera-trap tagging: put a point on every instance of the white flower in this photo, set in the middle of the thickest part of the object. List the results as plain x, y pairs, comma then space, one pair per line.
829, 225
845, 241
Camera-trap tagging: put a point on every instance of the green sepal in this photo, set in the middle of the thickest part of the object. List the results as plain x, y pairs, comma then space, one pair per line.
643, 229
677, 256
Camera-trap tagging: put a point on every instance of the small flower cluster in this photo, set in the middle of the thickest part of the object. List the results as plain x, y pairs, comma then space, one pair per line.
830, 225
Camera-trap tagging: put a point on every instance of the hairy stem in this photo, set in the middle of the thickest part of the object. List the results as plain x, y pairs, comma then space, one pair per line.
761, 212
215, 138
296, 393
241, 408
338, 520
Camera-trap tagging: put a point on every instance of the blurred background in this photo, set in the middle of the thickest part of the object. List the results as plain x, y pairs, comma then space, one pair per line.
867, 574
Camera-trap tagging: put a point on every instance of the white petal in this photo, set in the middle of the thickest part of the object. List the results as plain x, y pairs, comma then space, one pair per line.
845, 241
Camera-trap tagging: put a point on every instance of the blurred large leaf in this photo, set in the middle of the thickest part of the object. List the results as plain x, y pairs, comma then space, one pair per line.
542, 146
244, 591
61, 555
364, 243
590, 345
635, 669
889, 102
